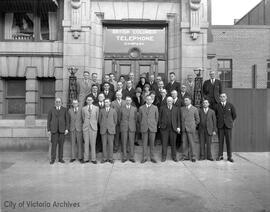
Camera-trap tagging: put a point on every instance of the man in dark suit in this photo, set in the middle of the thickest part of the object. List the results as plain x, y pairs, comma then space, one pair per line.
106, 80
207, 128
212, 88
120, 89
107, 123
153, 83
128, 121
129, 91
107, 92
169, 122
226, 115
100, 105
159, 89
148, 118
57, 126
176, 100
94, 94
75, 123
183, 94
189, 120
173, 85
163, 98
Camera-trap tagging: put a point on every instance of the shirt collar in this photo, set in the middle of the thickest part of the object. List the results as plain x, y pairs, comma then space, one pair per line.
189, 106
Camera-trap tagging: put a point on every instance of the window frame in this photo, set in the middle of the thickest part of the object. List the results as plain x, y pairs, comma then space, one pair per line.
224, 70
268, 74
41, 96
6, 98
36, 11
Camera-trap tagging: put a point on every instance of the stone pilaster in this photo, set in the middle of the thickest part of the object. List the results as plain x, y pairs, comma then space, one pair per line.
1, 98
31, 96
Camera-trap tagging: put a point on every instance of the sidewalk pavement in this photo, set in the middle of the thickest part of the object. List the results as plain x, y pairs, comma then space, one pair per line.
29, 183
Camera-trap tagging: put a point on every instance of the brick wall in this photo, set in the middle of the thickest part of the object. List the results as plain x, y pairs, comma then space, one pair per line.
246, 46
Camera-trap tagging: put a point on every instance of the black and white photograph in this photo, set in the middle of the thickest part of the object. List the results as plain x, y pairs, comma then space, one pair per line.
135, 105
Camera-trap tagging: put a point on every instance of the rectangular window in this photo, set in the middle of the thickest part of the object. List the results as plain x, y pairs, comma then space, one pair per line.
225, 72
15, 98
46, 95
268, 75
31, 20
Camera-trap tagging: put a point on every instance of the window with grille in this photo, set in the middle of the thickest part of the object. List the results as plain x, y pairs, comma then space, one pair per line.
46, 95
225, 72
14, 97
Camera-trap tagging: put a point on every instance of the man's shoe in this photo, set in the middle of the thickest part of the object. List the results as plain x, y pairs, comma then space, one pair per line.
193, 160
52, 162
111, 161
124, 160
175, 160
163, 160
231, 160
211, 159
94, 161
137, 144
132, 160
143, 160
87, 161
220, 158
61, 161
81, 160
72, 160
153, 160
103, 161
181, 159
202, 158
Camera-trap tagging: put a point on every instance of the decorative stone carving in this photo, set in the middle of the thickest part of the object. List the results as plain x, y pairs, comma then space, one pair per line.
195, 6
76, 17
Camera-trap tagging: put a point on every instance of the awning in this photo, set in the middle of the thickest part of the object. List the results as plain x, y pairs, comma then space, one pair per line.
28, 5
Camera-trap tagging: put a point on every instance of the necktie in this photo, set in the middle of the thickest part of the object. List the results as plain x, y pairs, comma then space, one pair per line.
205, 110
90, 110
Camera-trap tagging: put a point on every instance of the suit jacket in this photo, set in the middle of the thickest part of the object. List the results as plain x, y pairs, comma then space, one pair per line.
136, 102
75, 119
107, 121
182, 98
102, 87
58, 121
177, 103
190, 89
110, 95
117, 108
90, 120
212, 91
153, 86
130, 93
83, 89
170, 87
95, 98
189, 119
226, 115
128, 119
165, 121
208, 121
148, 118
162, 102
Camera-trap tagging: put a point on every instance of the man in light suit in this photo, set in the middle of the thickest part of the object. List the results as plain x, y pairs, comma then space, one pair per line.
90, 114
84, 88
207, 128
190, 86
107, 122
148, 118
212, 88
75, 123
226, 116
169, 122
128, 120
189, 120
117, 105
57, 126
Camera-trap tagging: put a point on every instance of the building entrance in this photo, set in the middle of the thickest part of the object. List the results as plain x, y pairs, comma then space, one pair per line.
138, 49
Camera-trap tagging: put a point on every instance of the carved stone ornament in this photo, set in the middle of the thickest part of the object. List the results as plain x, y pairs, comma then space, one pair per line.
195, 4
75, 4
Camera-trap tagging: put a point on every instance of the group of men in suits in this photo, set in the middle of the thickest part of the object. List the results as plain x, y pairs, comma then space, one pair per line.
108, 117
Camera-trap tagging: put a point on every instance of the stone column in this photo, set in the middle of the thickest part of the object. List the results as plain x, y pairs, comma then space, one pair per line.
76, 43
1, 98
31, 96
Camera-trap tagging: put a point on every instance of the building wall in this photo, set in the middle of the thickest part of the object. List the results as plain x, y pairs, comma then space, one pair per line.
246, 46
